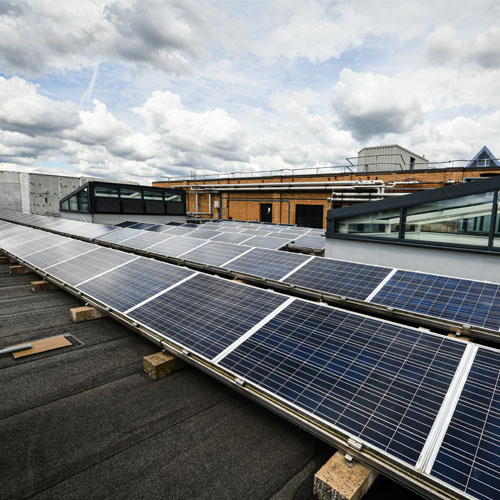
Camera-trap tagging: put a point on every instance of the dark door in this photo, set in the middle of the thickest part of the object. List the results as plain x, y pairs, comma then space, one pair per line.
266, 212
309, 215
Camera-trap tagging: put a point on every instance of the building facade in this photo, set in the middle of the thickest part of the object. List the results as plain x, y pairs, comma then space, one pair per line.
305, 199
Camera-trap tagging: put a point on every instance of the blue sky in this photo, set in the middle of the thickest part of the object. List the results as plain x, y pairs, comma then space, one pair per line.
145, 89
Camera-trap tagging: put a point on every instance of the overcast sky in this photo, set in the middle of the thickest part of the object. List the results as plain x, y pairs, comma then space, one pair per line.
143, 89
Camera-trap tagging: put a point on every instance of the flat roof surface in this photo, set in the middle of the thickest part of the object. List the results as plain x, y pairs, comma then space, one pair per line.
85, 421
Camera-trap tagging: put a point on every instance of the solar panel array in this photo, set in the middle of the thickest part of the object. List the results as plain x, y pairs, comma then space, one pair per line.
391, 387
450, 300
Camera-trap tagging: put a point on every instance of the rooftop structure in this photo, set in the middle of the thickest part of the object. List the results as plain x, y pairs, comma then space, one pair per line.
484, 158
389, 158
109, 203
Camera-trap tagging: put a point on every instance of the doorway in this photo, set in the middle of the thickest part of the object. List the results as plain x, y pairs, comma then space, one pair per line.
309, 215
266, 212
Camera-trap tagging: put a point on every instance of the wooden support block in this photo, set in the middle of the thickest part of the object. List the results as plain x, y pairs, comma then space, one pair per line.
85, 313
457, 336
42, 286
18, 270
161, 364
4, 260
337, 480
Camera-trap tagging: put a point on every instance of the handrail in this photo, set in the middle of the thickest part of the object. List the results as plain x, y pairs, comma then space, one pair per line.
334, 169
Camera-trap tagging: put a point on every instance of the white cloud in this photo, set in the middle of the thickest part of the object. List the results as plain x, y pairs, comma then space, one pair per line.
23, 109
374, 105
37, 34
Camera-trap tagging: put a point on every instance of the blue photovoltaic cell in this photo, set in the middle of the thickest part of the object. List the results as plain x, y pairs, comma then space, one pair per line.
181, 230
134, 282
264, 263
159, 228
173, 247
206, 314
92, 231
144, 239
266, 242
88, 265
339, 277
310, 241
142, 225
203, 234
14, 241
50, 256
469, 457
127, 223
214, 253
46, 241
464, 301
5, 232
382, 382
118, 236
231, 237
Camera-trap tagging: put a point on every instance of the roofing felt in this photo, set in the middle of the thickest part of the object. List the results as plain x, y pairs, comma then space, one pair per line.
85, 422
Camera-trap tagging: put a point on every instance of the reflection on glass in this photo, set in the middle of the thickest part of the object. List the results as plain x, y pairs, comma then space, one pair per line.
496, 241
173, 197
153, 195
106, 192
378, 224
130, 193
84, 200
464, 221
73, 203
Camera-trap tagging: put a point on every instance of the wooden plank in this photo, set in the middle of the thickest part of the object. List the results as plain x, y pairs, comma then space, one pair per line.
43, 345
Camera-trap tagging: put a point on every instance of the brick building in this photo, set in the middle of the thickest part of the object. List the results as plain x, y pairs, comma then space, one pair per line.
304, 199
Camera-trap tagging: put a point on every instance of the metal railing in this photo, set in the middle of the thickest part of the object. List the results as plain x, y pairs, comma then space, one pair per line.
351, 168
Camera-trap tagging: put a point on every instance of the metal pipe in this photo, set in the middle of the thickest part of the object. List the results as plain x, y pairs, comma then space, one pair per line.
283, 184
16, 348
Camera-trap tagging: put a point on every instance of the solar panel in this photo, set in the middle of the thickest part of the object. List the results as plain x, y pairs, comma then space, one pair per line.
18, 239
339, 277
144, 239
271, 264
265, 242
159, 228
314, 242
118, 236
50, 256
92, 231
47, 241
464, 301
469, 457
181, 230
206, 314
88, 265
204, 234
142, 225
231, 237
12, 230
215, 253
379, 381
174, 247
127, 223
254, 232
128, 285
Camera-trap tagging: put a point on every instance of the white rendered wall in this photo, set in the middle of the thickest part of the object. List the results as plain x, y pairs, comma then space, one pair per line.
446, 262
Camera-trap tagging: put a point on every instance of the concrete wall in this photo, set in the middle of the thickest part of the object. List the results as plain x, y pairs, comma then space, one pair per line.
446, 262
47, 190
10, 191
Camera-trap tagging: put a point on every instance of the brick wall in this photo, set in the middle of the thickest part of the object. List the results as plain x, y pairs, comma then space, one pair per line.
245, 205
